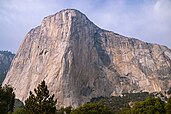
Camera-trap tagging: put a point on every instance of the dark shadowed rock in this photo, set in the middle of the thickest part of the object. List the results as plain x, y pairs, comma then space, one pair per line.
5, 62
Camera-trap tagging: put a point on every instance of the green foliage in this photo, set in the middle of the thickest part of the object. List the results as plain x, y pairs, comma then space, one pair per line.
92, 108
168, 106
116, 103
125, 111
7, 98
20, 111
63, 110
141, 103
42, 102
149, 106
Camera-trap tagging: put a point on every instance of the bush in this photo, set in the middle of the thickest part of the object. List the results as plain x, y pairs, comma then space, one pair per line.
20, 111
63, 110
92, 108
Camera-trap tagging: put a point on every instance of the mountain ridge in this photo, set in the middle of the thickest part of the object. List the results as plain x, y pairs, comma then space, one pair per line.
5, 61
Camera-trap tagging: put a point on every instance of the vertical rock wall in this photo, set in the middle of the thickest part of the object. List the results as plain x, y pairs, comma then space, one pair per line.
78, 61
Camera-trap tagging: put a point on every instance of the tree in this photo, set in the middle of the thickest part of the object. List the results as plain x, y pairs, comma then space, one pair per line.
92, 108
149, 106
118, 103
7, 99
42, 102
168, 106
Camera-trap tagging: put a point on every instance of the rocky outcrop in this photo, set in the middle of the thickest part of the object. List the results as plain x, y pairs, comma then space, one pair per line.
78, 61
5, 61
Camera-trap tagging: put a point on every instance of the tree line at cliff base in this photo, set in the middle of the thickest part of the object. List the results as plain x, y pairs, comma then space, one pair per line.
41, 102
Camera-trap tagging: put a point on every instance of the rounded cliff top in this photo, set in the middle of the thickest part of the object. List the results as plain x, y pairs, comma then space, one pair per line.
67, 12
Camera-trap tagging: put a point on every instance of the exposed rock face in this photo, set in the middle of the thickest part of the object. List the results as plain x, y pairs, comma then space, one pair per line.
78, 61
5, 61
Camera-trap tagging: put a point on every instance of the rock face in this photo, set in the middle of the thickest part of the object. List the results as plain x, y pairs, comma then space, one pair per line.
5, 61
78, 61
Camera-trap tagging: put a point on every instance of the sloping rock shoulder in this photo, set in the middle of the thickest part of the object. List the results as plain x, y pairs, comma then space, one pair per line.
78, 61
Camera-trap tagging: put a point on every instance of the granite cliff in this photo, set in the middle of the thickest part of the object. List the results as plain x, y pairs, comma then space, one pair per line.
78, 61
5, 61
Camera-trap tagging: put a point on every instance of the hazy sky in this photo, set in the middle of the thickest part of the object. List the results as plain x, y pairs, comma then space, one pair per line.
147, 20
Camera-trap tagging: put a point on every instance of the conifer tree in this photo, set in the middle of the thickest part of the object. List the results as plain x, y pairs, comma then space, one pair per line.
41, 102
7, 99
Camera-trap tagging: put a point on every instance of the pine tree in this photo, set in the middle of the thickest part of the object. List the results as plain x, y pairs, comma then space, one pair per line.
42, 102
7, 99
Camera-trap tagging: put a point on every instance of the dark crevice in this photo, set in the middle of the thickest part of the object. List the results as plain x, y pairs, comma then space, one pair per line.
41, 52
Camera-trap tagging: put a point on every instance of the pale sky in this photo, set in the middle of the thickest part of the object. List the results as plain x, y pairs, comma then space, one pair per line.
147, 20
